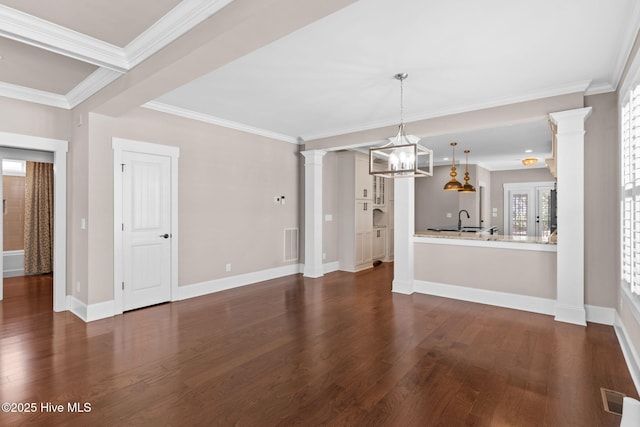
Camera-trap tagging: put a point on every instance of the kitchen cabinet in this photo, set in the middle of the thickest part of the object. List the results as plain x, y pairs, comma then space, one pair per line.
362, 178
379, 243
379, 188
355, 212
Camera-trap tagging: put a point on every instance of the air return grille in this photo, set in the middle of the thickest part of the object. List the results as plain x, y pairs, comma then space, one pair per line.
290, 244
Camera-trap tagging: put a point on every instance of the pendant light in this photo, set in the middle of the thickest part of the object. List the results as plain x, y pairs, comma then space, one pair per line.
467, 188
402, 156
453, 184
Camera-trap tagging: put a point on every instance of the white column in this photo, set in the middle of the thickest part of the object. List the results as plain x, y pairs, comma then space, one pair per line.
404, 225
570, 185
313, 213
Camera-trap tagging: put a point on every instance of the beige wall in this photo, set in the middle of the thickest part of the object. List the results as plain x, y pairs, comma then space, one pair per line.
227, 183
513, 271
499, 178
478, 119
432, 203
600, 201
78, 208
26, 118
330, 187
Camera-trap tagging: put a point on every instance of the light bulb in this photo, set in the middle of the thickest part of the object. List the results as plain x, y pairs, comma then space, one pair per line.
393, 162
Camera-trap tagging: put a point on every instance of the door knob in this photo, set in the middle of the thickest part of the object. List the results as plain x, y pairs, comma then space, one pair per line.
166, 236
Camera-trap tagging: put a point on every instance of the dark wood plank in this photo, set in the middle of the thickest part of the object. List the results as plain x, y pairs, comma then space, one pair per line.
338, 350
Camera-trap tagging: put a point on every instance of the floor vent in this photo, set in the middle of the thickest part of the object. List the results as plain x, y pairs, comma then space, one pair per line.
612, 401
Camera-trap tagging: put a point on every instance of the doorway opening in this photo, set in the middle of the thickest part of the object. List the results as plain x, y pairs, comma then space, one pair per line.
527, 209
14, 145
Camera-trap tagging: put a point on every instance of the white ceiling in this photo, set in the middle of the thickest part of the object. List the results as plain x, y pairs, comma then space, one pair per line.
335, 75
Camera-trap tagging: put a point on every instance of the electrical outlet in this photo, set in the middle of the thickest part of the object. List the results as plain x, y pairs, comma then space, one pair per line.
449, 215
78, 286
324, 256
228, 267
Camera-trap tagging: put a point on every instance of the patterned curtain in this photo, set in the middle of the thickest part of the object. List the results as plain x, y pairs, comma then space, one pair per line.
38, 219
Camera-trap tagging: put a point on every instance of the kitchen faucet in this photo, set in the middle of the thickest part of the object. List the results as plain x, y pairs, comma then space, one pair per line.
460, 220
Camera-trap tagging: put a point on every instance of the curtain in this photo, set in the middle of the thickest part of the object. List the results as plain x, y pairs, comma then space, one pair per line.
38, 218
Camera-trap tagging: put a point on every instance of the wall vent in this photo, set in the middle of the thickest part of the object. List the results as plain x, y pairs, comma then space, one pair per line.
290, 244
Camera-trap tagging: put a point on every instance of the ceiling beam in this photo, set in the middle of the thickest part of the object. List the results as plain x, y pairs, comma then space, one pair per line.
238, 29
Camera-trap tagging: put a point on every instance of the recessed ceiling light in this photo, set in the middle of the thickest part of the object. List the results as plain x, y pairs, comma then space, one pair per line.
528, 151
445, 158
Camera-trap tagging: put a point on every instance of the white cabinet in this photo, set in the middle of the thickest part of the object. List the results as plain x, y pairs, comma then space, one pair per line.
379, 243
363, 251
362, 178
379, 188
355, 212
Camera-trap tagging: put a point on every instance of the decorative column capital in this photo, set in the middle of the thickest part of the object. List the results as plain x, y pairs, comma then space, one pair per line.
570, 120
313, 157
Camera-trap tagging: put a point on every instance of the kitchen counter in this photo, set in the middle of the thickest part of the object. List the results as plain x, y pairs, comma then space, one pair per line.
485, 239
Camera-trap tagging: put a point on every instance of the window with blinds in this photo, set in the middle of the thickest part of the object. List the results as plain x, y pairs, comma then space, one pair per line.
630, 182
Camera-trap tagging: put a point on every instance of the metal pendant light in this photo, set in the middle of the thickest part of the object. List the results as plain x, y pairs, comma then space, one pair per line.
402, 156
467, 188
453, 183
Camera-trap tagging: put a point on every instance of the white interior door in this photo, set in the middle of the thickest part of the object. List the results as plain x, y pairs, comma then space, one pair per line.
146, 229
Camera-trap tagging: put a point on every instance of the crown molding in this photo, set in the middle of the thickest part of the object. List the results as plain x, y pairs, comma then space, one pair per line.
182, 18
498, 102
46, 35
92, 84
624, 54
33, 95
193, 115
599, 88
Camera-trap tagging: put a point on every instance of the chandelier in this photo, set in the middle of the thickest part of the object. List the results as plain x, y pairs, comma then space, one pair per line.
402, 156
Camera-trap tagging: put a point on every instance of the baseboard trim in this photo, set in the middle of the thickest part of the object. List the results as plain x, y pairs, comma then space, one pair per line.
91, 312
602, 315
217, 285
628, 351
405, 287
330, 267
483, 296
595, 314
571, 314
13, 273
13, 263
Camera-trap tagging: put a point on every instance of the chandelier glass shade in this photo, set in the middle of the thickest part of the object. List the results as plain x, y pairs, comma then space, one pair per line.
402, 156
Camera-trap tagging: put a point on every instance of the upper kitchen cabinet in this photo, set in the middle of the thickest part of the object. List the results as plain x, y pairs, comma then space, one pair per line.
379, 191
362, 178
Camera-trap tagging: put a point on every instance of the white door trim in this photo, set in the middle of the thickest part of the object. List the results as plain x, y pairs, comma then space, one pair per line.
59, 149
119, 145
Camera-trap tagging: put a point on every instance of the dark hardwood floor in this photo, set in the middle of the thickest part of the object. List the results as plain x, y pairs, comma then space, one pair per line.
341, 350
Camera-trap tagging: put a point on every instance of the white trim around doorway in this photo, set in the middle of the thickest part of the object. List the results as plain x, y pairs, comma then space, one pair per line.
59, 149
